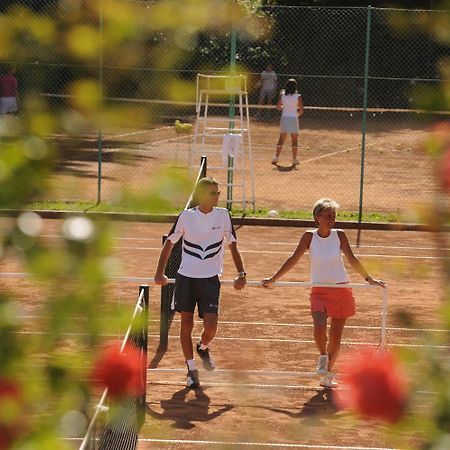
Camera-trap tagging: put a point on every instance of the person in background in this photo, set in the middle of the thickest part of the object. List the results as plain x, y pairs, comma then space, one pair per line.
268, 83
8, 92
290, 104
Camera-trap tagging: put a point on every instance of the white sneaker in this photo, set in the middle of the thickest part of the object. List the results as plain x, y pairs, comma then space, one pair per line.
322, 365
329, 381
275, 160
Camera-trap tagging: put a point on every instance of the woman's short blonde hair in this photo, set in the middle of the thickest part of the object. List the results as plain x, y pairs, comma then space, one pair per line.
323, 204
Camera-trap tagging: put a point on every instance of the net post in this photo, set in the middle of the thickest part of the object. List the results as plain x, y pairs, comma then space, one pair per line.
384, 319
165, 306
142, 400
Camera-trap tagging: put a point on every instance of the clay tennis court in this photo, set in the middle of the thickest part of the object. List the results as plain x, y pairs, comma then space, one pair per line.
330, 162
262, 395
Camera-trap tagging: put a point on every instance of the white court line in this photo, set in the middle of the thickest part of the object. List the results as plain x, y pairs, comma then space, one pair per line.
238, 385
395, 247
325, 156
259, 444
268, 252
253, 444
271, 252
276, 324
309, 341
220, 338
310, 325
134, 133
246, 372
301, 387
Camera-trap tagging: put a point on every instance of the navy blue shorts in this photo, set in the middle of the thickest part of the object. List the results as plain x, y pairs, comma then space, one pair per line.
204, 292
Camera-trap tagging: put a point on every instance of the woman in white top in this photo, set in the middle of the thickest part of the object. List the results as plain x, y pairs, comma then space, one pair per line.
325, 245
290, 104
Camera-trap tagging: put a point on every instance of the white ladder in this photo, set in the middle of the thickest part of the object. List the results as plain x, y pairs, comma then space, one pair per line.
210, 129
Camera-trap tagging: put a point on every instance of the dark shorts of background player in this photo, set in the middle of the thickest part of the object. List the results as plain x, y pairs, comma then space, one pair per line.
203, 292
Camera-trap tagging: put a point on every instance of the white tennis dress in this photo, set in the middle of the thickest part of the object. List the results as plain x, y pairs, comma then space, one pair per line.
289, 115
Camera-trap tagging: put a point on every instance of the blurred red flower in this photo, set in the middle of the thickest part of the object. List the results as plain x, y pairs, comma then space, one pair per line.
441, 131
373, 385
120, 372
11, 407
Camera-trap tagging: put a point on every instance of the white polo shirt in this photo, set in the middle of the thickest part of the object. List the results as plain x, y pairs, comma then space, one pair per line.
203, 236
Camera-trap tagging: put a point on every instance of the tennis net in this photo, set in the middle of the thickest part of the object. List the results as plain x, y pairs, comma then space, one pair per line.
119, 429
172, 267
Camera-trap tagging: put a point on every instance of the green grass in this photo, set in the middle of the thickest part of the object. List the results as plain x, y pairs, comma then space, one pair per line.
259, 212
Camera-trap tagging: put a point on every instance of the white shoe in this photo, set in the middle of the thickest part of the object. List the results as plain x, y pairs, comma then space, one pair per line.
322, 365
329, 381
275, 160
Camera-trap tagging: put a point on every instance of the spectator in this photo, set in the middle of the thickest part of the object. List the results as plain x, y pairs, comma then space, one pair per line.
8, 92
268, 83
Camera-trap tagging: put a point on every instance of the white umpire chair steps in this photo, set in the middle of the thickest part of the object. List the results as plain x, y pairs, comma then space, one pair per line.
222, 132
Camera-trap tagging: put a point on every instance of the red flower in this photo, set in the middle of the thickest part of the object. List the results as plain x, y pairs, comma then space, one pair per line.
373, 385
11, 406
441, 131
120, 372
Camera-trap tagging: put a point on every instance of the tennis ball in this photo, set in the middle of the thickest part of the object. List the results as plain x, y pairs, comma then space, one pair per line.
272, 213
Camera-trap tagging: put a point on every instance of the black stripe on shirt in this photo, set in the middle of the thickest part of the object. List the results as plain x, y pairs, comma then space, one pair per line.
195, 255
211, 255
190, 244
210, 247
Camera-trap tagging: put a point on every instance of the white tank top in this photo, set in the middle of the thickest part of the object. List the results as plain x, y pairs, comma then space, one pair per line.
290, 105
325, 259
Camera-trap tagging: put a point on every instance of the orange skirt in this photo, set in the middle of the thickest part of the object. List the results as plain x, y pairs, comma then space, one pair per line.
338, 303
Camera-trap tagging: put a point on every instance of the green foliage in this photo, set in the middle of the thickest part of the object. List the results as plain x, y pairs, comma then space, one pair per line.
68, 289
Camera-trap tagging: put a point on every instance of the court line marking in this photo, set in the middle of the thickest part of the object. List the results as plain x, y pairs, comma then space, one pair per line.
269, 252
394, 247
238, 385
309, 341
246, 444
301, 387
277, 324
223, 338
310, 325
326, 155
397, 247
259, 444
246, 372
134, 133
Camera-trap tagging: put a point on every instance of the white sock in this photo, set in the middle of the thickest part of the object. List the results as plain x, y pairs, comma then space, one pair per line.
203, 346
191, 364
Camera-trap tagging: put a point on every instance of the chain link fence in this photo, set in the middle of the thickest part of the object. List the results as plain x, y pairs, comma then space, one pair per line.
343, 59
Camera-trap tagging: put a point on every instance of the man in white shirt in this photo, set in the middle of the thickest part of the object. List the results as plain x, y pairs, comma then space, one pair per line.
204, 230
269, 83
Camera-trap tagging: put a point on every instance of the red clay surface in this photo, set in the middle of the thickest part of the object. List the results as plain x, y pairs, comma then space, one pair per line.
398, 172
268, 331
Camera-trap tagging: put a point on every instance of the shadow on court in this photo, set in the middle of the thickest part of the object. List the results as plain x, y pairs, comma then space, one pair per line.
162, 347
186, 407
318, 406
285, 168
